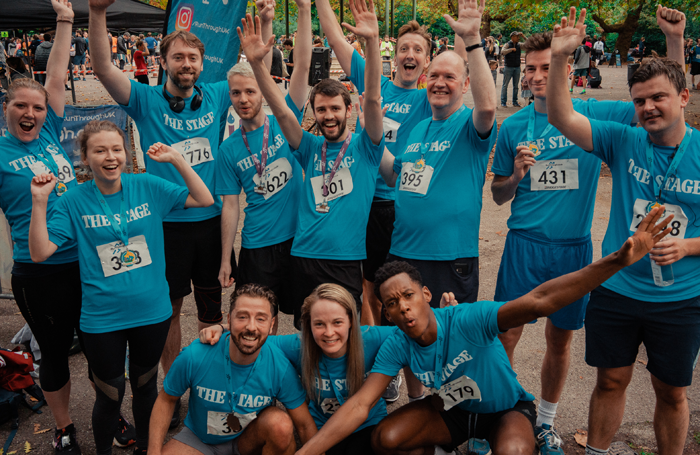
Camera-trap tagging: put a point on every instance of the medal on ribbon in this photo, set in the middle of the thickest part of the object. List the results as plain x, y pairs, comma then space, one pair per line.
419, 166
61, 188
534, 148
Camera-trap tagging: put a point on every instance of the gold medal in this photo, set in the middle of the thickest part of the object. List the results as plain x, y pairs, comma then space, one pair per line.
652, 205
323, 207
534, 149
419, 166
61, 188
233, 423
128, 258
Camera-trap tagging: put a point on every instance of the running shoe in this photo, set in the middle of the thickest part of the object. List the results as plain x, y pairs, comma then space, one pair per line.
583, 92
504, 105
548, 440
175, 421
126, 433
516, 104
64, 441
392, 393
478, 447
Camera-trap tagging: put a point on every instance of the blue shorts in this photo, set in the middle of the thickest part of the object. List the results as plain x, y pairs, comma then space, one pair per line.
530, 260
79, 59
616, 325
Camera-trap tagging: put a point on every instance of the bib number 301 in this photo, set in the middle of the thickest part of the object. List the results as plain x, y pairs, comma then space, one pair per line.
554, 175
116, 259
340, 186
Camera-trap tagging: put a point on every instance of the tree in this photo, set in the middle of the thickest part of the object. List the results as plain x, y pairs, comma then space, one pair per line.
625, 28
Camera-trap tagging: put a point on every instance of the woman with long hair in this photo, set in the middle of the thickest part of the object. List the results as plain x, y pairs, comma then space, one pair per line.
333, 354
117, 222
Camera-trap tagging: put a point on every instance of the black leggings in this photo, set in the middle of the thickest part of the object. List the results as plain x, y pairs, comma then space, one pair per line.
107, 353
50, 301
358, 442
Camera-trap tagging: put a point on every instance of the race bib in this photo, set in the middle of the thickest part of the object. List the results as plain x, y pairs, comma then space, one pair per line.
330, 405
459, 390
277, 175
678, 224
225, 423
195, 151
66, 173
416, 177
391, 129
116, 259
553, 175
339, 187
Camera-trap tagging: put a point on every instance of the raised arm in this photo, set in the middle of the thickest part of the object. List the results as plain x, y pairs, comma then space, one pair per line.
254, 49
116, 82
672, 23
40, 247
348, 417
366, 26
386, 166
266, 11
199, 196
230, 212
555, 294
299, 85
336, 38
58, 60
483, 89
560, 111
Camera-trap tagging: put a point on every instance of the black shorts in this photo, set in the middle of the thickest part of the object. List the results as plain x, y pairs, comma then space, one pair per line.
464, 425
694, 68
380, 226
270, 266
360, 442
460, 276
308, 273
616, 325
193, 256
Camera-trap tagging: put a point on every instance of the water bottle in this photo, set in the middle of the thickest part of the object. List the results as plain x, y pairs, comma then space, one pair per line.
663, 275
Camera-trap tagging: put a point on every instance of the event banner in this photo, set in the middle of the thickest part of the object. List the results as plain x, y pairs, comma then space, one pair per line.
214, 22
75, 120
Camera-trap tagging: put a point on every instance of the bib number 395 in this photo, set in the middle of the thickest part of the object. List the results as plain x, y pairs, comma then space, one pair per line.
116, 258
415, 178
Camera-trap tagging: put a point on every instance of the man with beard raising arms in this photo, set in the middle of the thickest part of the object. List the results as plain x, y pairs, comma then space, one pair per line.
185, 116
340, 167
232, 387
257, 159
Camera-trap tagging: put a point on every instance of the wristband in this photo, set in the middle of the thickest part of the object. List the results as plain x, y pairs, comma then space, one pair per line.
222, 328
473, 46
64, 19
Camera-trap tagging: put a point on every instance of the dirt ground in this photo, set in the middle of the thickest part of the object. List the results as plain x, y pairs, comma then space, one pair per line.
636, 430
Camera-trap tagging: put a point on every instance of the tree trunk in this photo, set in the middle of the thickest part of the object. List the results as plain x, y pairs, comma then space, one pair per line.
625, 30
486, 20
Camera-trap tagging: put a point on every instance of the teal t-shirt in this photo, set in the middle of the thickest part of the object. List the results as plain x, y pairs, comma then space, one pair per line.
441, 176
467, 363
340, 233
537, 207
331, 386
17, 168
623, 148
117, 296
407, 107
270, 218
219, 387
195, 134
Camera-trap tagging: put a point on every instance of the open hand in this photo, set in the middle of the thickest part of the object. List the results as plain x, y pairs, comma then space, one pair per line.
468, 20
670, 21
100, 4
251, 39
162, 153
43, 185
361, 114
266, 10
366, 24
569, 34
63, 8
647, 236
211, 335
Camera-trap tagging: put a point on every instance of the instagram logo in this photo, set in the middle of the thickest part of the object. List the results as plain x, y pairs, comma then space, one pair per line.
184, 17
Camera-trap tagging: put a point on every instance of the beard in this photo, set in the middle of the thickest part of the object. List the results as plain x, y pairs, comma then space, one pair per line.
341, 129
252, 113
179, 83
248, 350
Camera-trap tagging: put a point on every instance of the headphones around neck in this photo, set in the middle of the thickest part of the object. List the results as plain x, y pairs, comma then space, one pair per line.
177, 104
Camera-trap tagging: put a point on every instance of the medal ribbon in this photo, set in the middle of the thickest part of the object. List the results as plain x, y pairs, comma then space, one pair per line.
439, 356
259, 167
232, 394
337, 393
424, 134
337, 162
120, 228
531, 126
677, 157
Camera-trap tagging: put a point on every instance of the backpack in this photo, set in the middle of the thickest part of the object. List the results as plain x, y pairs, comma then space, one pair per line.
577, 54
15, 380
